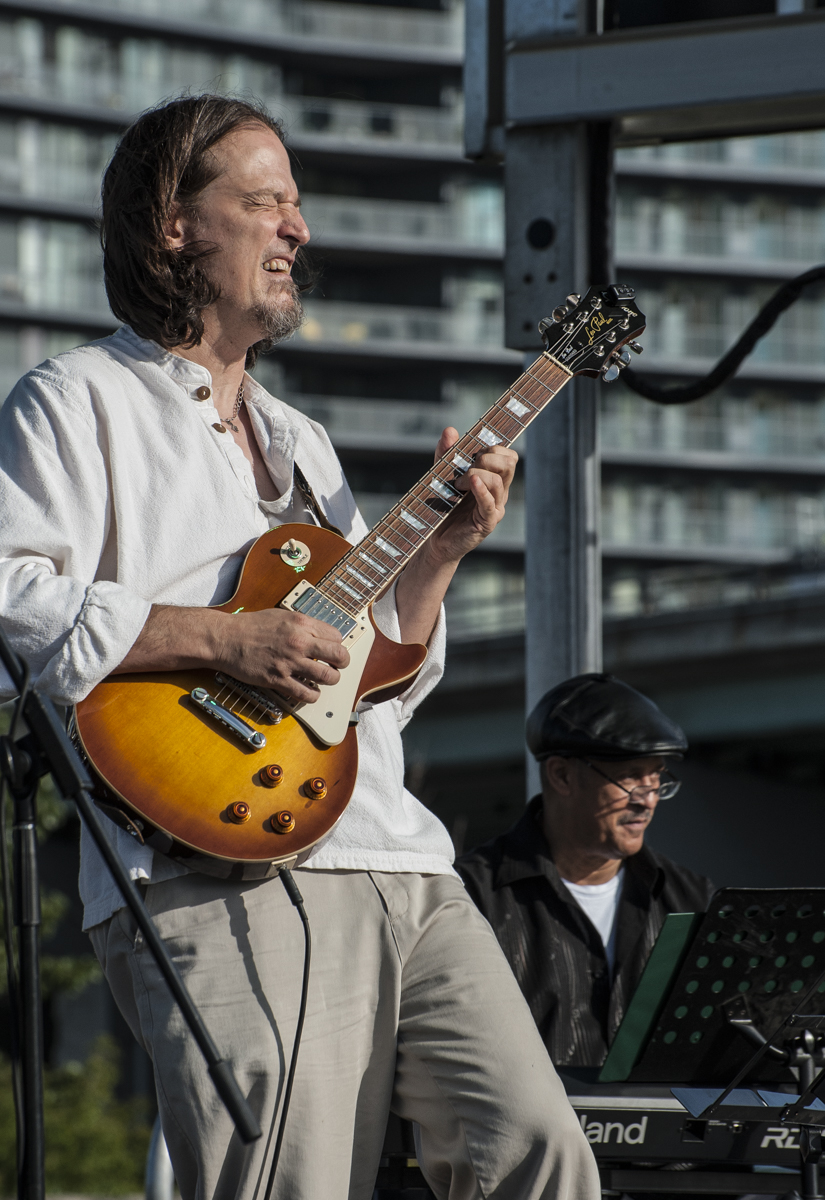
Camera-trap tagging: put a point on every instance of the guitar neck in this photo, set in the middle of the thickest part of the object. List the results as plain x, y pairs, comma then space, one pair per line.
370, 567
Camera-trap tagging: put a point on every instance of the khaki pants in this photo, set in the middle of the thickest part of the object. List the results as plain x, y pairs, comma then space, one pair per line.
412, 1006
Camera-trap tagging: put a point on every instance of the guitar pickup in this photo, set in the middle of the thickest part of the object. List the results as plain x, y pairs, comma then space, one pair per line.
245, 733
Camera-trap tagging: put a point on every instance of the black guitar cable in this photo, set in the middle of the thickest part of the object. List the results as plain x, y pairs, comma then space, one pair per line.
291, 889
727, 366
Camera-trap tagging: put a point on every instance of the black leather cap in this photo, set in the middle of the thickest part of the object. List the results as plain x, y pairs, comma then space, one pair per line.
598, 716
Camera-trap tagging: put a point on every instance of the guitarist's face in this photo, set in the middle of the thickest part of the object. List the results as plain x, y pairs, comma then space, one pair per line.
250, 214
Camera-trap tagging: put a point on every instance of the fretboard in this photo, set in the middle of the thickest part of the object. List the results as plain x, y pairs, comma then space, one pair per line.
371, 566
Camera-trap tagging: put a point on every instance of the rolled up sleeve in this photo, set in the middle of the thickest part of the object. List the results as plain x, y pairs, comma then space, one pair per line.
385, 612
72, 626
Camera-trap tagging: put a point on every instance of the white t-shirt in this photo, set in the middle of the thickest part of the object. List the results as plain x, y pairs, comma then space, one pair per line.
601, 903
118, 491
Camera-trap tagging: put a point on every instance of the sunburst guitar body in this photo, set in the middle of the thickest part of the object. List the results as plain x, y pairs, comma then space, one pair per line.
179, 777
234, 781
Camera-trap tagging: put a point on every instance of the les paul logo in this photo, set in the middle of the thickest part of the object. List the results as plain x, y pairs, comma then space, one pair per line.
595, 326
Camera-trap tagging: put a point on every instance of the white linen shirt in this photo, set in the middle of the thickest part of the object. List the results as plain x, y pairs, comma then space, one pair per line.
117, 492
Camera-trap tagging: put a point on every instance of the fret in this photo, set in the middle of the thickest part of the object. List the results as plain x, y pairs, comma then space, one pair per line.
350, 591
357, 575
411, 520
516, 406
375, 565
388, 548
442, 489
385, 551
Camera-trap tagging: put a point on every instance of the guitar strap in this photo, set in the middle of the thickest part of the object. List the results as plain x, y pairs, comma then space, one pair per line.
302, 484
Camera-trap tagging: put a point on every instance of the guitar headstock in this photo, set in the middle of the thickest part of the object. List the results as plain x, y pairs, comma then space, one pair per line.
590, 336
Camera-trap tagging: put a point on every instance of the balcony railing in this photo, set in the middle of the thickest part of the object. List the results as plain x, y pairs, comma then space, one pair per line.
349, 23
474, 218
485, 600
352, 324
134, 74
776, 152
57, 163
737, 519
355, 121
687, 324
760, 232
392, 424
58, 267
763, 427
678, 588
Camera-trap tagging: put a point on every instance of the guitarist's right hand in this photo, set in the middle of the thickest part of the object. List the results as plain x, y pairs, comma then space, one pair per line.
274, 648
283, 650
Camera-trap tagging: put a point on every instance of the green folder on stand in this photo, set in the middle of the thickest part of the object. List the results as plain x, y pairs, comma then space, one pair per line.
646, 1004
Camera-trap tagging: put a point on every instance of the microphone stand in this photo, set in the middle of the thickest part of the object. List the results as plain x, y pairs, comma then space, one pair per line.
47, 749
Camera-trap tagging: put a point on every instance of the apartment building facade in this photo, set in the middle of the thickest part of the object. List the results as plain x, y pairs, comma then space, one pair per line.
708, 509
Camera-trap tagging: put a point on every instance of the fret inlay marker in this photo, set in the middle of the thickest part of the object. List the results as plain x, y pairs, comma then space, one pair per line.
411, 520
351, 591
488, 437
357, 575
443, 489
516, 407
461, 462
387, 547
376, 566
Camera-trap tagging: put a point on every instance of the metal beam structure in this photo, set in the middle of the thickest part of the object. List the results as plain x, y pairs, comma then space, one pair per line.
708, 79
549, 98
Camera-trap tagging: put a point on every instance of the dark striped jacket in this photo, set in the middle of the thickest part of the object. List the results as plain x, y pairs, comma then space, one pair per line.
555, 951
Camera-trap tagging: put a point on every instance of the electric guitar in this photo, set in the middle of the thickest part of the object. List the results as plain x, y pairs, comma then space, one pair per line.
234, 780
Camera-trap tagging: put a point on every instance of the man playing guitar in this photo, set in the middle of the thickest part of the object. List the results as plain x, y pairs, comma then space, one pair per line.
135, 473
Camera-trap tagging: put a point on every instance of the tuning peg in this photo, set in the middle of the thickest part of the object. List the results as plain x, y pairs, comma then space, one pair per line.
624, 357
636, 347
611, 372
559, 313
574, 298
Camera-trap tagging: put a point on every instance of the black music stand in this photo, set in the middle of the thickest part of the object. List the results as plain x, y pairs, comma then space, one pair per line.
727, 1000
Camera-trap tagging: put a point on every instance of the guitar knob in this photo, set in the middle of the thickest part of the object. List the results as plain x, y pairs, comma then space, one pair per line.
240, 812
317, 787
271, 776
283, 821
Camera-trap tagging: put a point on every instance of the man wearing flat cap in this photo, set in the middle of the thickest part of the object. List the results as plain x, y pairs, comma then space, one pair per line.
574, 896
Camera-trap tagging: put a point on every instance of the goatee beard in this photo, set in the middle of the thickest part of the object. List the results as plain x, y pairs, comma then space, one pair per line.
279, 321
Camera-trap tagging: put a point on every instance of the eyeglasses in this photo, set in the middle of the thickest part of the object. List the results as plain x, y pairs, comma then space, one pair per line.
667, 789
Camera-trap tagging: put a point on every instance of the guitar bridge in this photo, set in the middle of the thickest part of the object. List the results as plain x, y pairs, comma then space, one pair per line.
245, 733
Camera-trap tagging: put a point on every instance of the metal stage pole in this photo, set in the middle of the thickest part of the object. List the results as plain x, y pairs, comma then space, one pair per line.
557, 203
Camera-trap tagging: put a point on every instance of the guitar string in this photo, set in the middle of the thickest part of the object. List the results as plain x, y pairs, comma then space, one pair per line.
417, 501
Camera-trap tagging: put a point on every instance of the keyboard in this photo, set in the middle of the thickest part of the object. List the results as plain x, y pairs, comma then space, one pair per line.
644, 1140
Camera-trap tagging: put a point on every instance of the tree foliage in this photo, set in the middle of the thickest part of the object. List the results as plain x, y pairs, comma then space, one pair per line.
96, 1144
